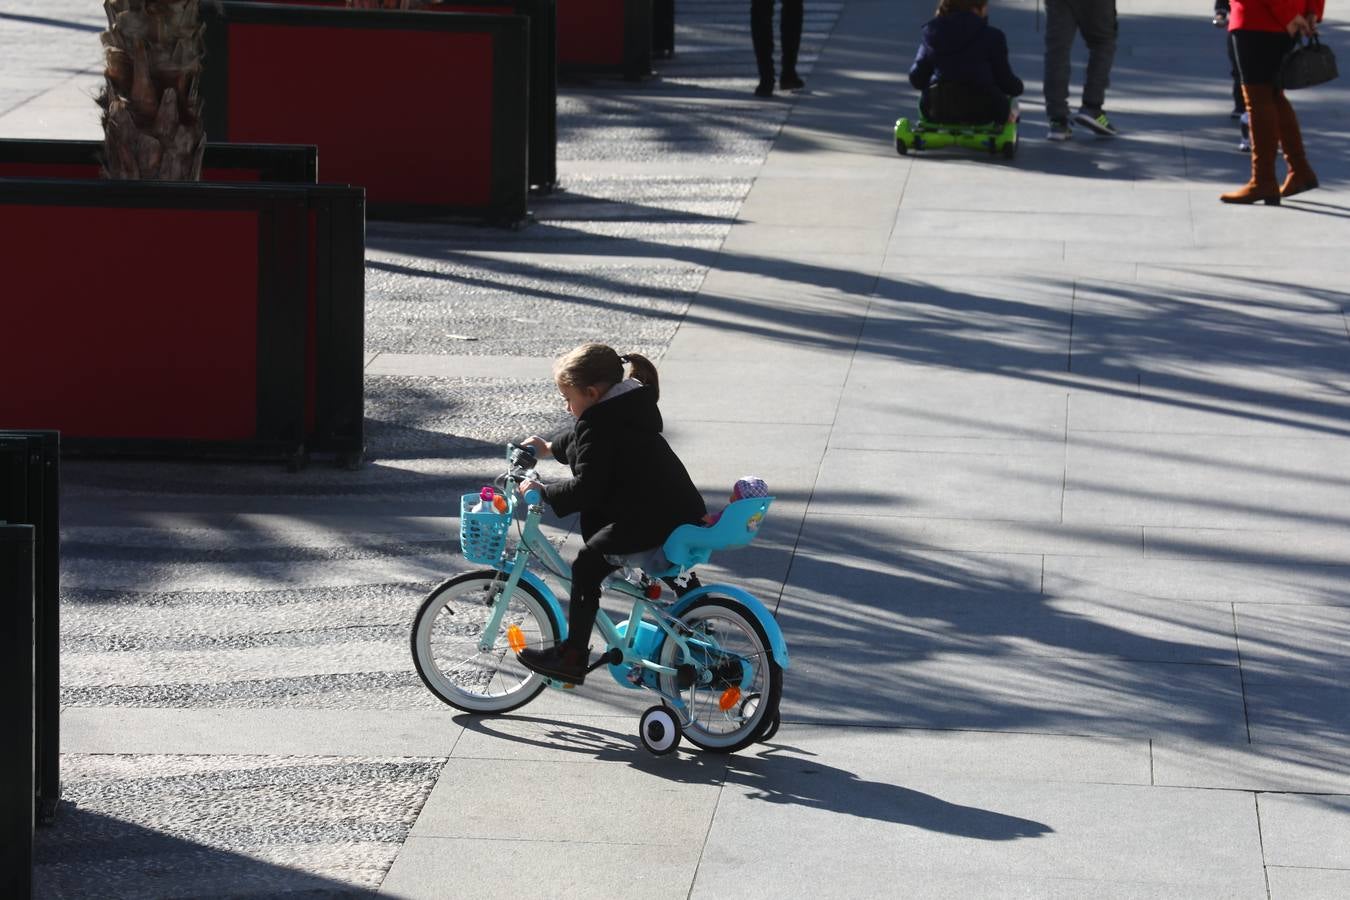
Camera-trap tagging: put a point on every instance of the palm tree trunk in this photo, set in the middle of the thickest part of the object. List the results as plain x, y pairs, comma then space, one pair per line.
152, 112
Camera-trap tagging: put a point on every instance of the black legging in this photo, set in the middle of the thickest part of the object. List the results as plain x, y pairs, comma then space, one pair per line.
954, 103
761, 32
590, 569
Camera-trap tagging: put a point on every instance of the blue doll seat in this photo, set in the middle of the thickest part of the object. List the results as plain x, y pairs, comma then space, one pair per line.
692, 545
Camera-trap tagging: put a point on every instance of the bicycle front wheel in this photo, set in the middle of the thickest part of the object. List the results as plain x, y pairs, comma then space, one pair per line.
736, 684
448, 643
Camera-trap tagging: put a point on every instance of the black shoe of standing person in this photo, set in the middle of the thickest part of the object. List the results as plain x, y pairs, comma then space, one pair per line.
764, 89
563, 662
791, 81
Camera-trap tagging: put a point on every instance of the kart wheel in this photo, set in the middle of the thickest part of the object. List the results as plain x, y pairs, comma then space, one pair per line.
1010, 149
900, 147
659, 731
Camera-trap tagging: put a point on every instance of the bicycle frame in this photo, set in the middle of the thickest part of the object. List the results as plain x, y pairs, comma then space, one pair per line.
534, 543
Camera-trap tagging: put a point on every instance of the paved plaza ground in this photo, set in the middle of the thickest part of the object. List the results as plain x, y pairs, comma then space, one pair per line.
1061, 548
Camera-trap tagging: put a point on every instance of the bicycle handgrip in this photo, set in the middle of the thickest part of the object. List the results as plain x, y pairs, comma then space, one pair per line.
532, 497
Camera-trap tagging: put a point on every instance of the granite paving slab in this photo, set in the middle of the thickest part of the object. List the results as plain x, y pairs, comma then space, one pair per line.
1291, 883
937, 836
1188, 580
1311, 830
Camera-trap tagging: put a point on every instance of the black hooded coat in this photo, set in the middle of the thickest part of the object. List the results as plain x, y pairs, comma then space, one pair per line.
623, 471
963, 47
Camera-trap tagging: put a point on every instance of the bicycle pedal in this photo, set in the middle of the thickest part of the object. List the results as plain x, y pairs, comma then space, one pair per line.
611, 657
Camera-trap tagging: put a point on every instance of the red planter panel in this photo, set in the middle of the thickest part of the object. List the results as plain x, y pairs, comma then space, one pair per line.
377, 132
181, 363
591, 32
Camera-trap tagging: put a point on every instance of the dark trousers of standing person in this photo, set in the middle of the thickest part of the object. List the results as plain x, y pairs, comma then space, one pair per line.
790, 32
1271, 119
1096, 20
1239, 104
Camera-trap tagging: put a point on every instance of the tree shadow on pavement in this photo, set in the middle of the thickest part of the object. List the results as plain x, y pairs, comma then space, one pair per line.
84, 853
784, 775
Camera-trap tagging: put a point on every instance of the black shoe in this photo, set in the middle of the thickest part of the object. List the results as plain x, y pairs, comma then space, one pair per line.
563, 662
764, 89
791, 81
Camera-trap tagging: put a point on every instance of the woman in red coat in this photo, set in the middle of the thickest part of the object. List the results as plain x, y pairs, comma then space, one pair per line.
1262, 32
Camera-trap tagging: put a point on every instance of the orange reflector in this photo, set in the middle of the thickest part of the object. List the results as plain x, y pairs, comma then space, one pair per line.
730, 697
515, 637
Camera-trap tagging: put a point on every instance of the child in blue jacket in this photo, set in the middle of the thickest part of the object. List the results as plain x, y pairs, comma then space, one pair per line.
962, 67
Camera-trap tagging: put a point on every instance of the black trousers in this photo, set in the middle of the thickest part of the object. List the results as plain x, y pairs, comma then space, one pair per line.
590, 569
761, 32
955, 103
1258, 54
1238, 102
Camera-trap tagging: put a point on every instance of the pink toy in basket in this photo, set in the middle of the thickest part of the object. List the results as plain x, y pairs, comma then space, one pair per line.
749, 486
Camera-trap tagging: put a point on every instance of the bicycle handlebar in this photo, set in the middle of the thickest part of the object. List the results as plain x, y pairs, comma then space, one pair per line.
521, 461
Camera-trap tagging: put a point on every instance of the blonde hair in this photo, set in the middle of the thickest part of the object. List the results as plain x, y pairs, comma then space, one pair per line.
598, 365
947, 7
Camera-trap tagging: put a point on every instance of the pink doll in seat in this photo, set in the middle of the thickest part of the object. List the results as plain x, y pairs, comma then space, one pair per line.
749, 486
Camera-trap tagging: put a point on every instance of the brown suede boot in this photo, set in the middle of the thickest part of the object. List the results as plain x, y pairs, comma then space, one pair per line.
1301, 177
1263, 188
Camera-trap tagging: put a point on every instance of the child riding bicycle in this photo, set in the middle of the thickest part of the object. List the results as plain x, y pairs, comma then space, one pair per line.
630, 488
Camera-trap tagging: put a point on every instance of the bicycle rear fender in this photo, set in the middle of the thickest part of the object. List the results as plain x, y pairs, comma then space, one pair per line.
539, 585
766, 620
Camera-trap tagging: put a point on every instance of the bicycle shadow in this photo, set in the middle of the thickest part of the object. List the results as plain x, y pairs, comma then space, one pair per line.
782, 773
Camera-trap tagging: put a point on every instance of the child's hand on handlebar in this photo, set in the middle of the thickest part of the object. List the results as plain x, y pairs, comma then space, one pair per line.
529, 484
541, 447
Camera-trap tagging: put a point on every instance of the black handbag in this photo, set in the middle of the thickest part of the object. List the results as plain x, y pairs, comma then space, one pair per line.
1306, 65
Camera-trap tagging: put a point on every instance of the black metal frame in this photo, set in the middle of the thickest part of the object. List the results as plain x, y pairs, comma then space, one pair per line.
663, 28
284, 235
509, 189
17, 787
289, 163
30, 494
637, 39
340, 323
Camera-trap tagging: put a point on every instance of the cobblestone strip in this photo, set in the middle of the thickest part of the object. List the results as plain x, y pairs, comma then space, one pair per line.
176, 826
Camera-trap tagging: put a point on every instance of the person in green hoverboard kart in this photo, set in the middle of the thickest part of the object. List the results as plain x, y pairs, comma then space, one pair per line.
965, 80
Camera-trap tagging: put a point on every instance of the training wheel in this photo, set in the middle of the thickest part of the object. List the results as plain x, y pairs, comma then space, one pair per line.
659, 730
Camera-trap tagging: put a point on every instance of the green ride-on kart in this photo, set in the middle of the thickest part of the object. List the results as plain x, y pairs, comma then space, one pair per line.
926, 134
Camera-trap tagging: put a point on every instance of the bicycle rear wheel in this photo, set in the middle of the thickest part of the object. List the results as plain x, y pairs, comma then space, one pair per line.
736, 686
446, 638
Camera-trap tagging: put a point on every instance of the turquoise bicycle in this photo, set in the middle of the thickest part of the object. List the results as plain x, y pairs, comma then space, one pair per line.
712, 653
